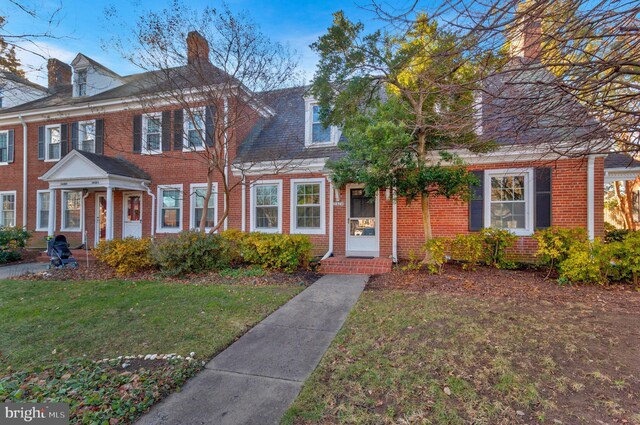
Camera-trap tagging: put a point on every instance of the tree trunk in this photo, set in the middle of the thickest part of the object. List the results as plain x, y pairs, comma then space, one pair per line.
623, 206
205, 207
426, 224
628, 190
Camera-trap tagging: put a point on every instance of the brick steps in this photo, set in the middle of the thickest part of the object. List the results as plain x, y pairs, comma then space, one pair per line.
79, 254
351, 265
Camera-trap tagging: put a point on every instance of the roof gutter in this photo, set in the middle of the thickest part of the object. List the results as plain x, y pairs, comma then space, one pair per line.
24, 171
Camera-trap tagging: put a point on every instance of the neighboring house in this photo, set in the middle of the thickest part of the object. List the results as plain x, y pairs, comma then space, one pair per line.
622, 170
91, 168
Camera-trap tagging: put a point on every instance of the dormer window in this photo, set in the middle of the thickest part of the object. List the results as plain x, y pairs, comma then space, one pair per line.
81, 82
316, 134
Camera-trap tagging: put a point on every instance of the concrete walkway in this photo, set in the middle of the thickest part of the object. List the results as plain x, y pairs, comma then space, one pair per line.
20, 269
256, 379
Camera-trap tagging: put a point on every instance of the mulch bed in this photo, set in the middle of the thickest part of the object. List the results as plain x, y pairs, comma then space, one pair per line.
519, 285
28, 256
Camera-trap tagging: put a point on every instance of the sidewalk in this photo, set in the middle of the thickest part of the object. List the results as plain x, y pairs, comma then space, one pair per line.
20, 269
256, 379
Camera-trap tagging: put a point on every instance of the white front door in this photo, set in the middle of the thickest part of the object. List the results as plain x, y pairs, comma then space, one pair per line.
362, 223
132, 214
101, 217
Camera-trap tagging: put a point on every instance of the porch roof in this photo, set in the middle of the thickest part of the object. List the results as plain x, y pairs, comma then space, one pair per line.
84, 170
620, 166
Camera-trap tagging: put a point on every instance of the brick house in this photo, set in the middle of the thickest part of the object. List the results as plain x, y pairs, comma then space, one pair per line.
84, 157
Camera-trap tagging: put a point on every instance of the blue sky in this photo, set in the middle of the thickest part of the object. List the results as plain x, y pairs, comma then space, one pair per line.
81, 26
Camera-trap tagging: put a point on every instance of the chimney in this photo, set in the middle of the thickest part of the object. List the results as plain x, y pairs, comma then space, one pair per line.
526, 41
197, 48
59, 74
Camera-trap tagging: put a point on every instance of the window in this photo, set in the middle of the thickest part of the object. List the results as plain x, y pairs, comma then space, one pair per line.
509, 200
307, 206
81, 82
152, 133
194, 129
198, 193
87, 136
71, 208
315, 133
319, 133
170, 211
42, 207
53, 142
7, 209
4, 146
266, 200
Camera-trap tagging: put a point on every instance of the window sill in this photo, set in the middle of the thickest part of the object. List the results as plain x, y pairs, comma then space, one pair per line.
52, 160
320, 144
70, 229
4, 163
519, 232
266, 230
146, 152
310, 231
40, 229
187, 149
168, 230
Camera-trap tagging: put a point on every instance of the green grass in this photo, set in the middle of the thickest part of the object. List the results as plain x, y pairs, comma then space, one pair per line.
432, 358
45, 322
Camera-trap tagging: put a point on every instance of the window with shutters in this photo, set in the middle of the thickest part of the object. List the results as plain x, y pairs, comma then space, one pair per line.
194, 129
266, 202
170, 208
42, 207
71, 210
8, 209
198, 194
307, 206
509, 200
4, 147
87, 136
152, 133
53, 142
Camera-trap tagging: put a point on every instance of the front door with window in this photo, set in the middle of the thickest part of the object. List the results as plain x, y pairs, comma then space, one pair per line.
101, 218
362, 224
132, 226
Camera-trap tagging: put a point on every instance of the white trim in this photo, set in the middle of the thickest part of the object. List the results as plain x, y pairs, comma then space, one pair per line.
47, 142
14, 144
591, 227
334, 132
15, 206
145, 118
293, 211
330, 249
244, 204
39, 227
291, 166
185, 129
252, 215
62, 209
161, 229
529, 178
84, 123
192, 204
351, 253
394, 226
96, 218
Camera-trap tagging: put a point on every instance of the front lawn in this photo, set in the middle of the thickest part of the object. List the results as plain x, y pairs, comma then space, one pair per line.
482, 356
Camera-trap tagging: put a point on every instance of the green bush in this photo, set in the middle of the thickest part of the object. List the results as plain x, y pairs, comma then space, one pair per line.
496, 242
126, 256
12, 239
235, 240
470, 249
275, 251
615, 235
587, 262
191, 252
626, 257
555, 243
438, 248
9, 256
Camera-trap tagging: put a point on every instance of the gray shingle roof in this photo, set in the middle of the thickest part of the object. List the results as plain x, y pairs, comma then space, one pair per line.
116, 166
5, 75
620, 160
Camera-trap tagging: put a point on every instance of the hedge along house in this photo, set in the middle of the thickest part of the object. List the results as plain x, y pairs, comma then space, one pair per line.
87, 159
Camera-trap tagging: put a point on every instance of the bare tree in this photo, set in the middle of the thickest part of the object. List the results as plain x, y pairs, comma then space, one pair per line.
230, 68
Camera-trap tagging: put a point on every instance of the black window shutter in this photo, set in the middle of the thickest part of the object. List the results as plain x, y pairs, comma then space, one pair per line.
166, 131
74, 136
210, 114
178, 131
10, 146
64, 140
543, 198
137, 133
476, 204
41, 142
100, 137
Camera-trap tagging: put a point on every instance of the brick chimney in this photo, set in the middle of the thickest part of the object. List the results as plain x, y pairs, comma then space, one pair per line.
197, 48
526, 40
59, 74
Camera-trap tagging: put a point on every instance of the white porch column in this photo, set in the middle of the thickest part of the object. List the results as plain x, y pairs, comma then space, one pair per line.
109, 229
52, 212
591, 227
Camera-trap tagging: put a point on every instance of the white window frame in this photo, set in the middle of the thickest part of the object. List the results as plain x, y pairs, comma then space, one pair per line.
192, 213
15, 207
83, 124
252, 215
63, 227
528, 174
77, 81
7, 134
145, 120
308, 127
293, 211
186, 114
159, 228
39, 226
47, 142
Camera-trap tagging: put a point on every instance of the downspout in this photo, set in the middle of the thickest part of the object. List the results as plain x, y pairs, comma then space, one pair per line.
591, 197
153, 208
330, 250
85, 195
244, 204
226, 158
394, 219
24, 171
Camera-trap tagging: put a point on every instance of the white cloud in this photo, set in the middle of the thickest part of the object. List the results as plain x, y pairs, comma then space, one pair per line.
34, 55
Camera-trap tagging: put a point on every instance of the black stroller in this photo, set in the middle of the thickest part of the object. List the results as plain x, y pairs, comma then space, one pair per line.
60, 254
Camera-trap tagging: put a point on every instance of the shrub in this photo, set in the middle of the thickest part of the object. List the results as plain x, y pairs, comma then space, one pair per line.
438, 248
12, 239
615, 235
126, 256
9, 256
191, 252
235, 240
626, 256
415, 262
587, 262
275, 251
555, 243
496, 242
469, 249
